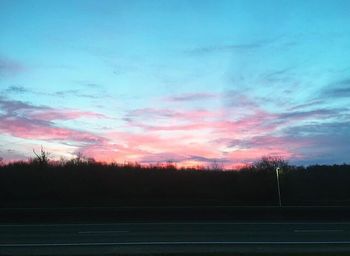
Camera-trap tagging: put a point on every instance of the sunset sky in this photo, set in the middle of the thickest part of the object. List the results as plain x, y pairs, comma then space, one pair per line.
191, 82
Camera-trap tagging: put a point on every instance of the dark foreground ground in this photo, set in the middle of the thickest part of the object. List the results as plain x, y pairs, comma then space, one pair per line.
175, 231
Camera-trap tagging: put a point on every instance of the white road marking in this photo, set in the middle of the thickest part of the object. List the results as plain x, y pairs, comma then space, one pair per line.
183, 243
317, 230
177, 223
175, 207
103, 232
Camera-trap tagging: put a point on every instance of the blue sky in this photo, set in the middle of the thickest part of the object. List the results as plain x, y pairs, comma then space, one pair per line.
188, 81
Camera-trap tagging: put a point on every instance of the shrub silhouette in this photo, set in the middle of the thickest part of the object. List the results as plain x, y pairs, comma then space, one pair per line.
270, 163
41, 158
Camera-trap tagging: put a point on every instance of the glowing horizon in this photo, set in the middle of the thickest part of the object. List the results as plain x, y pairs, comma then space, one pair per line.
192, 82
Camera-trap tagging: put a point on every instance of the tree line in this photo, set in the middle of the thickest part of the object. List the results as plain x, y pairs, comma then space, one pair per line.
84, 182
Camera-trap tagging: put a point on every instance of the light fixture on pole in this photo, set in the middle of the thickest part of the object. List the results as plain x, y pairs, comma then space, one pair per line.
278, 187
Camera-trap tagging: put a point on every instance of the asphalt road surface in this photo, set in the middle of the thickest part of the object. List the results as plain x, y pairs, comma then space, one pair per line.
99, 239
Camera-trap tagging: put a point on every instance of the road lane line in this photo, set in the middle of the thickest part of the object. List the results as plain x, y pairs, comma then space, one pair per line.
317, 230
178, 223
184, 243
103, 232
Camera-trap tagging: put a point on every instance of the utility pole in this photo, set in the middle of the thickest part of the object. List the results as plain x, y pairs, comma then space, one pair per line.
278, 187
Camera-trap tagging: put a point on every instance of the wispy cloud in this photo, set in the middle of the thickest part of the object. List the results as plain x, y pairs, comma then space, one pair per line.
253, 121
268, 142
209, 159
40, 130
281, 75
230, 47
25, 120
192, 97
11, 106
9, 67
223, 48
339, 92
66, 114
345, 82
318, 113
14, 108
245, 135
16, 89
152, 135
306, 105
74, 93
340, 89
146, 114
327, 143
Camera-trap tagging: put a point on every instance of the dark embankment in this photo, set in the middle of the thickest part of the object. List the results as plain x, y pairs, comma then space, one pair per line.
170, 214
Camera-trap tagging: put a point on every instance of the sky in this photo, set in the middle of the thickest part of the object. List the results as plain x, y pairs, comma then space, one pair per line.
194, 82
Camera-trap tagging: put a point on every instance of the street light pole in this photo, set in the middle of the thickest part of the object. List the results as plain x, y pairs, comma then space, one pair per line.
278, 187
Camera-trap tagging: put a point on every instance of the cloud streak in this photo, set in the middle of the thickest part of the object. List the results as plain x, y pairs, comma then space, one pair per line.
41, 130
17, 89
28, 121
223, 48
340, 89
192, 97
9, 67
15, 108
231, 47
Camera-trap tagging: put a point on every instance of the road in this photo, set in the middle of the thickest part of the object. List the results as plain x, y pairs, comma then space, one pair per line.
60, 239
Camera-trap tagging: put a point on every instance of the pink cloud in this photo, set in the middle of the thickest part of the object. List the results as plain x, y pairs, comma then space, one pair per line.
146, 114
26, 128
54, 114
15, 108
151, 135
187, 134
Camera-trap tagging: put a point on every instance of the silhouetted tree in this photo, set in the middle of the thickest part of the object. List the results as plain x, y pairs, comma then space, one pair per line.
79, 159
170, 165
41, 158
270, 163
216, 165
91, 160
